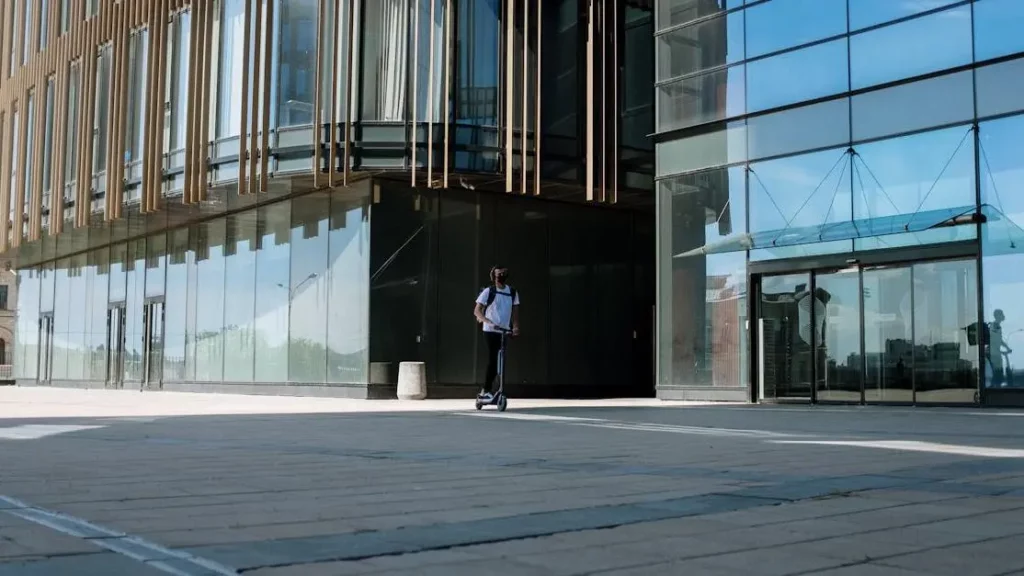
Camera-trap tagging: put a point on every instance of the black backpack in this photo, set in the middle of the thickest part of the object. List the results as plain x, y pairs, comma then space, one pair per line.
492, 293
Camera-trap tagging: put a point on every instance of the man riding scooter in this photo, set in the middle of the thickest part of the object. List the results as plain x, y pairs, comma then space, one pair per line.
497, 309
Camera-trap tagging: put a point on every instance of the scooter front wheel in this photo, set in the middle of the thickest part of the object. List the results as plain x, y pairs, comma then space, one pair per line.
502, 404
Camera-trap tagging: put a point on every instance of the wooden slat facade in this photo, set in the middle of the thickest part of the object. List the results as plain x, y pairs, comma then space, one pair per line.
79, 44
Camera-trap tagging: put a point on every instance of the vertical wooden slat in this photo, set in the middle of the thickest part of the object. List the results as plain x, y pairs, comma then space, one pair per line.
5, 181
258, 95
414, 126
267, 69
161, 130
603, 126
449, 52
332, 138
318, 81
526, 93
243, 112
537, 101
589, 161
58, 144
510, 31
349, 90
19, 187
205, 98
192, 107
615, 116
430, 98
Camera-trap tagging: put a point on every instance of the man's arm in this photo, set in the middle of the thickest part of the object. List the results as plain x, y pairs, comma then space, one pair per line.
515, 319
478, 313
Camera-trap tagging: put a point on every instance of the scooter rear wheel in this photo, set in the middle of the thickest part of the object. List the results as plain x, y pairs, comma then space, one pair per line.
479, 406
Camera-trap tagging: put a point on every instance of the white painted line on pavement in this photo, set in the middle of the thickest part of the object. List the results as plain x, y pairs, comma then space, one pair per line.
636, 426
916, 446
37, 431
521, 416
133, 547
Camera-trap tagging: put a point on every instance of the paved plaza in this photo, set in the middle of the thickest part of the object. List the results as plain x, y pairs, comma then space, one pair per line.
109, 483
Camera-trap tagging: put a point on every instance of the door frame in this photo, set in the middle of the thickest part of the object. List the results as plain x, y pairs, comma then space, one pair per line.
115, 355
44, 367
147, 344
824, 264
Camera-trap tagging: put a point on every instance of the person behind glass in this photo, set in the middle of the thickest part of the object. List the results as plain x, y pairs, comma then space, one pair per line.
497, 309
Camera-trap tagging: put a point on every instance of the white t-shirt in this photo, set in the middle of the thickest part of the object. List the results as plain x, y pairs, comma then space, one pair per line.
500, 311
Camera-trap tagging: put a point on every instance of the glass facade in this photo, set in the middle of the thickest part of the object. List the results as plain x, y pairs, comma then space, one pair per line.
833, 215
298, 195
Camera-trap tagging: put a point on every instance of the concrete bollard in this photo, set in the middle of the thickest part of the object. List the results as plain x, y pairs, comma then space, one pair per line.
412, 381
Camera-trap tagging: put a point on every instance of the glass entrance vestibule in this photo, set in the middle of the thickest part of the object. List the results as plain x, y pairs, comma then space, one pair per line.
871, 333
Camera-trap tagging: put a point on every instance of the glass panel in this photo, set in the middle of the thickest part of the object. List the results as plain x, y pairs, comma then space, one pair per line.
307, 328
15, 165
138, 70
384, 59
229, 80
945, 304
30, 149
911, 48
479, 70
837, 325
65, 15
781, 24
1002, 170
155, 350
913, 175
61, 321
808, 190
26, 341
43, 19
709, 293
101, 114
75, 322
208, 242
999, 87
799, 129
806, 74
888, 336
178, 86
134, 328
99, 263
273, 266
911, 107
429, 88
12, 41
156, 265
26, 29
240, 301
997, 28
707, 44
348, 292
674, 12
179, 260
784, 338
713, 96
704, 151
294, 62
865, 13
71, 127
48, 148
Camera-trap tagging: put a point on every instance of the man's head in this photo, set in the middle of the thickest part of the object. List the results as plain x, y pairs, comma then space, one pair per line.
499, 275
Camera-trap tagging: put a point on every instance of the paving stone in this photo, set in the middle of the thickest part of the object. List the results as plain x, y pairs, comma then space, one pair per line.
769, 562
99, 564
869, 569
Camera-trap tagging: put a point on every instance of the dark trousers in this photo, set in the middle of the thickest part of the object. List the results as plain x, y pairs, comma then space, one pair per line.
493, 347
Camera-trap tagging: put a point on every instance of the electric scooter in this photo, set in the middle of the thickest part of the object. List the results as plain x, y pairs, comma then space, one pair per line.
498, 399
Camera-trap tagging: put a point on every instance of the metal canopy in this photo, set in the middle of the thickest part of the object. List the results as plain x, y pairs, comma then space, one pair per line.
850, 229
